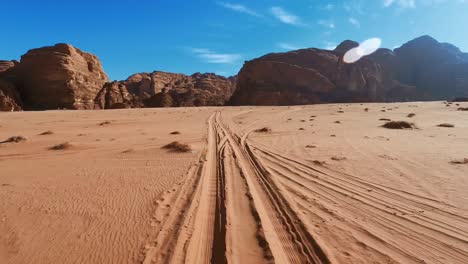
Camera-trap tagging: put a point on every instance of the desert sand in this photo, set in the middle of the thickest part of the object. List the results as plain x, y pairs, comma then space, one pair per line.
320, 184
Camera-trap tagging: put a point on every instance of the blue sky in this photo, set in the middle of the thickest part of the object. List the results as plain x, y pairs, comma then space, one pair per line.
218, 36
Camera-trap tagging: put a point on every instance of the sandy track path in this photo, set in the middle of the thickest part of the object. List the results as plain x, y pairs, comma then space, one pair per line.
229, 211
289, 241
394, 220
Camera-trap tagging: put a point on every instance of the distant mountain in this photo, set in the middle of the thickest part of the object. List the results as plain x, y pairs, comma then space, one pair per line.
422, 69
63, 76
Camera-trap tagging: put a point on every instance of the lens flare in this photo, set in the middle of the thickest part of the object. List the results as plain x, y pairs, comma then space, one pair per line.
364, 49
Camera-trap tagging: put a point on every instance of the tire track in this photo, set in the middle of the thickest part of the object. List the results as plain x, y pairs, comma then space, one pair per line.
228, 210
289, 240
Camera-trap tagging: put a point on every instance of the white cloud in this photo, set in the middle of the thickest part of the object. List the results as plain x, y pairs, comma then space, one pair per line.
210, 56
285, 17
287, 46
238, 8
354, 22
327, 23
400, 3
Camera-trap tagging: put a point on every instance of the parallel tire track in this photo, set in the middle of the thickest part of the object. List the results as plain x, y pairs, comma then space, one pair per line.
228, 199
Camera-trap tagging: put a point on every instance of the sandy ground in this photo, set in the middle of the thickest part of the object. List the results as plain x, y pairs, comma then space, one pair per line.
311, 190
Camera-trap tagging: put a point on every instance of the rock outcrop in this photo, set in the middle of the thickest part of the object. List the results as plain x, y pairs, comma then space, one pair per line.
5, 65
162, 89
422, 69
9, 97
59, 76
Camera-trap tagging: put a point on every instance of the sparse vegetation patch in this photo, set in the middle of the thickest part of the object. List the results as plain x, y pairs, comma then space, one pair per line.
399, 125
177, 147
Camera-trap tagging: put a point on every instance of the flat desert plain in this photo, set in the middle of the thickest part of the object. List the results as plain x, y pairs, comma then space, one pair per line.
298, 184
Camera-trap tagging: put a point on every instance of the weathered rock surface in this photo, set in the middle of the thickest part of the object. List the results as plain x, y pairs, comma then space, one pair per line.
162, 89
59, 76
115, 95
422, 69
5, 65
9, 97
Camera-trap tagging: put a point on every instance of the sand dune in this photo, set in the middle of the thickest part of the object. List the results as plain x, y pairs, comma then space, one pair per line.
323, 184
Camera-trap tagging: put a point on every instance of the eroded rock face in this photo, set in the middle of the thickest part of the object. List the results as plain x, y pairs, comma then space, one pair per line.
59, 76
5, 65
311, 76
115, 95
438, 70
9, 97
422, 69
163, 89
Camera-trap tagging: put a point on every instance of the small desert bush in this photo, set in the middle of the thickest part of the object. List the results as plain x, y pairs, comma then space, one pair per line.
411, 115
446, 125
263, 130
177, 147
398, 125
46, 133
14, 139
62, 146
366, 109
336, 158
175, 133
384, 119
463, 109
105, 123
463, 161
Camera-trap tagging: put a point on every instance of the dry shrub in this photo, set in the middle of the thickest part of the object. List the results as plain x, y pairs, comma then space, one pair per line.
463, 161
301, 128
105, 123
337, 122
263, 130
335, 158
62, 146
310, 146
175, 133
46, 133
463, 109
366, 109
318, 162
177, 147
411, 115
128, 151
446, 125
340, 112
398, 125
384, 119
14, 139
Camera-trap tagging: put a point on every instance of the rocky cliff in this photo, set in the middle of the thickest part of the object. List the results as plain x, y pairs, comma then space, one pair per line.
59, 76
422, 69
162, 89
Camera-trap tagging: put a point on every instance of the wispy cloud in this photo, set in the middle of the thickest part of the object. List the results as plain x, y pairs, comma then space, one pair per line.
285, 16
400, 3
239, 8
326, 23
288, 46
210, 56
354, 22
